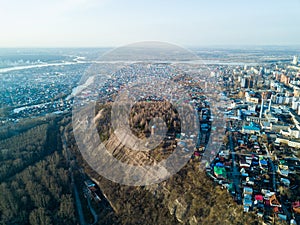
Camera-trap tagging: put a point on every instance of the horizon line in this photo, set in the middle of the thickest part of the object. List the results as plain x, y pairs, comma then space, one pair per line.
186, 46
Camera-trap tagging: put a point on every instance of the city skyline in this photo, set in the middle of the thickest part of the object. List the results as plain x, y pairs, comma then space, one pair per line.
111, 23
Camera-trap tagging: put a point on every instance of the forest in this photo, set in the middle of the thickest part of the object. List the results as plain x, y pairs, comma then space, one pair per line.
35, 184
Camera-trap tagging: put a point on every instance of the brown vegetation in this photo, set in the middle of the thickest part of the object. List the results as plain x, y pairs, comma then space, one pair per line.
188, 197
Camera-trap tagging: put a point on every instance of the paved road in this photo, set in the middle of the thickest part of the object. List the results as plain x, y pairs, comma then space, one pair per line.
78, 204
235, 172
92, 211
75, 190
272, 167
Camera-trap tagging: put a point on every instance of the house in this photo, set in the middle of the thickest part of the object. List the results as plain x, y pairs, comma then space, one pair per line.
293, 222
220, 172
248, 190
244, 164
263, 164
283, 172
277, 127
250, 181
253, 138
274, 202
295, 143
283, 164
296, 207
285, 182
267, 194
259, 198
247, 201
246, 208
197, 154
89, 184
252, 128
282, 217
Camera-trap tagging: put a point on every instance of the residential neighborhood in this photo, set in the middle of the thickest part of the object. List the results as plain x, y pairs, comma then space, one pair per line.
259, 161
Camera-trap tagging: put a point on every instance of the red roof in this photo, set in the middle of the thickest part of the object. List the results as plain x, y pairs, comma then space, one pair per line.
296, 204
92, 188
196, 153
276, 210
259, 197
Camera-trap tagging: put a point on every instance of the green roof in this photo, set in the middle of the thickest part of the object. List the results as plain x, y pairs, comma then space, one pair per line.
220, 171
283, 162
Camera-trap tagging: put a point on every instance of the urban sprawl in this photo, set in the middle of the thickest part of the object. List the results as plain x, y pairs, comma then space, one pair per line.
258, 159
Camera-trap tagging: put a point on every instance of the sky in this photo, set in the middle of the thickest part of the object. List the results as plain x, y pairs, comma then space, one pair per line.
112, 23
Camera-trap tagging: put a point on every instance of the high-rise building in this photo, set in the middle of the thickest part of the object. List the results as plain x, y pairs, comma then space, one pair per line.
285, 79
153, 129
280, 99
295, 105
295, 60
247, 82
261, 108
270, 104
244, 82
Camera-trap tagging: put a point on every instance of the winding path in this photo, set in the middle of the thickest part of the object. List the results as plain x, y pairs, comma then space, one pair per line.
92, 211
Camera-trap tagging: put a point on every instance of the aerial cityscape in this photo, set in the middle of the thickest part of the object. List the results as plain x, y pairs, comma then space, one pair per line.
127, 113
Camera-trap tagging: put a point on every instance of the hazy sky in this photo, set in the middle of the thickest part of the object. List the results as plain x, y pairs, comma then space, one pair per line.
88, 23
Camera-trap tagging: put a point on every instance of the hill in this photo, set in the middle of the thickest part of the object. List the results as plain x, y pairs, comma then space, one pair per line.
187, 197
